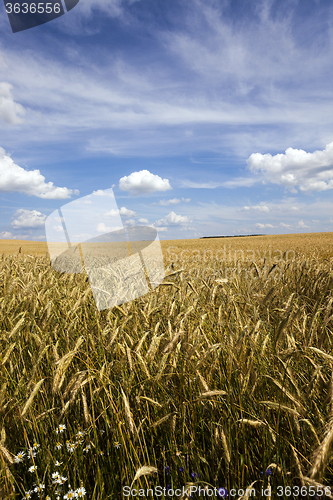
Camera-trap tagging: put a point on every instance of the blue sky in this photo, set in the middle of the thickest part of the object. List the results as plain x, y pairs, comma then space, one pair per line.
206, 117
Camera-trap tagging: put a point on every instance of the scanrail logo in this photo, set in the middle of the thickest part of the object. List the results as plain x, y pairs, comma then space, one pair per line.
26, 14
122, 263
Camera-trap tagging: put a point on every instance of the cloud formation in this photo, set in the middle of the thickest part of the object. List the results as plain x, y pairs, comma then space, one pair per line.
296, 168
5, 235
173, 219
122, 211
143, 182
28, 219
15, 178
174, 201
262, 226
256, 208
10, 110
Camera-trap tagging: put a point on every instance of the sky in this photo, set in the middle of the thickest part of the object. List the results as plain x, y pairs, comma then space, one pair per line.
204, 117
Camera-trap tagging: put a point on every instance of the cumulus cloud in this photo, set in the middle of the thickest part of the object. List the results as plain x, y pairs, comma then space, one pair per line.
5, 235
296, 168
15, 178
143, 182
257, 208
262, 226
9, 109
99, 192
130, 222
101, 228
122, 211
174, 201
287, 226
28, 218
302, 224
143, 221
172, 219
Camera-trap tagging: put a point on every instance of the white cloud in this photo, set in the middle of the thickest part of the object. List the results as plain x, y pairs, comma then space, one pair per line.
100, 192
262, 226
5, 235
28, 218
287, 226
257, 208
303, 225
172, 219
143, 182
130, 222
143, 221
122, 211
240, 182
174, 201
199, 185
9, 109
101, 228
15, 178
296, 168
165, 203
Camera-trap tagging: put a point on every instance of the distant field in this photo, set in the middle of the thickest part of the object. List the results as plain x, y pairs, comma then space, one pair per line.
269, 247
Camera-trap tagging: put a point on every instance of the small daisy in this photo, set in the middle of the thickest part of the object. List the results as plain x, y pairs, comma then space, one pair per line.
102, 431
101, 453
80, 434
116, 444
87, 448
27, 494
70, 494
35, 446
39, 488
32, 454
58, 446
61, 428
56, 476
71, 447
33, 468
80, 492
62, 480
19, 457
57, 464
48, 497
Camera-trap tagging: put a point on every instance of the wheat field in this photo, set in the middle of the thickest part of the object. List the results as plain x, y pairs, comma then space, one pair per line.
222, 377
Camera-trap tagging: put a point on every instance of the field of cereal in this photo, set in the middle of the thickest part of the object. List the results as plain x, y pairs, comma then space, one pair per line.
222, 377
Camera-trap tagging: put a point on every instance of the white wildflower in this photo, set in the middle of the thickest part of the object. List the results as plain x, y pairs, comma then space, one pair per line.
19, 457
80, 492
